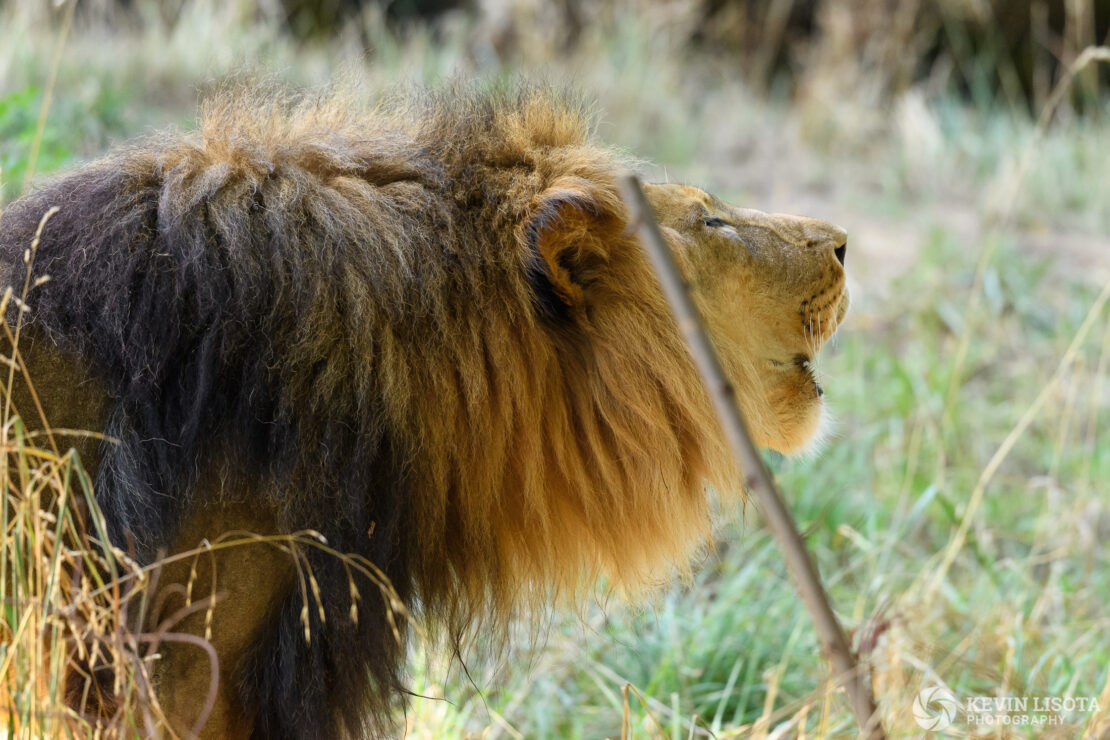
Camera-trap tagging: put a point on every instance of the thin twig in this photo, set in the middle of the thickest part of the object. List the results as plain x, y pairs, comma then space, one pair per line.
757, 479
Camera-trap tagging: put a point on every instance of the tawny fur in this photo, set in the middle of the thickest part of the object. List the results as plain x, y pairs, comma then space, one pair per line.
426, 331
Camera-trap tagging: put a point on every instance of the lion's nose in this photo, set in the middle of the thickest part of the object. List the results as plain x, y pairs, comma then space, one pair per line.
822, 234
837, 238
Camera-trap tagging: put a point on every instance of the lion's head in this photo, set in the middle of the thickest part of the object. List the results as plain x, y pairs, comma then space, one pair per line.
771, 288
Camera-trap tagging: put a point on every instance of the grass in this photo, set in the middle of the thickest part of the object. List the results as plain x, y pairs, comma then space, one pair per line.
64, 601
1020, 609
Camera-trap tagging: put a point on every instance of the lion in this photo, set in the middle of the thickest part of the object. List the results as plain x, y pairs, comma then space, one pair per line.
425, 333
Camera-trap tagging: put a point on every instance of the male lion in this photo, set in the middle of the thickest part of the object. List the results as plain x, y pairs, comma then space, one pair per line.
427, 333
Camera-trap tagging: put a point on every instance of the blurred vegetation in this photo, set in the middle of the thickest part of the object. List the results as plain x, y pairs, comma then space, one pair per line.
978, 256
18, 113
985, 49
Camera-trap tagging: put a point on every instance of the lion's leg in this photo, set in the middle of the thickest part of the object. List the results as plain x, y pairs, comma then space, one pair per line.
251, 579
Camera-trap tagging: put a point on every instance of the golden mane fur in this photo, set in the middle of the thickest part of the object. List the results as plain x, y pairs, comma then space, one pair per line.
426, 331
546, 457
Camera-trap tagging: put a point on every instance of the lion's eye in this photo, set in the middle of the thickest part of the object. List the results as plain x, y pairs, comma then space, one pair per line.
726, 229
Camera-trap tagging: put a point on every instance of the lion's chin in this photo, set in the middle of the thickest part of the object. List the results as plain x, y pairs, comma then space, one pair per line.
805, 443
803, 419
813, 440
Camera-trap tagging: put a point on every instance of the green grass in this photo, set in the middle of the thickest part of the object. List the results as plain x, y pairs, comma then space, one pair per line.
17, 132
1021, 609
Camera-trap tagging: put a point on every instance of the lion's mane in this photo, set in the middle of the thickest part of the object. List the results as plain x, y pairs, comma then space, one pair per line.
422, 330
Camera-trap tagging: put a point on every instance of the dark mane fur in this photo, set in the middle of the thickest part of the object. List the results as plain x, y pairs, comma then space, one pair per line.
285, 295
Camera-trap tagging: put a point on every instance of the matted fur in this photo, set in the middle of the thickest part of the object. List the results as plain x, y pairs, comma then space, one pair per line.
424, 331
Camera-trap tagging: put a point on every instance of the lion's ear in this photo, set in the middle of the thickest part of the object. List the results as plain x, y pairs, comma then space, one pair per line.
567, 233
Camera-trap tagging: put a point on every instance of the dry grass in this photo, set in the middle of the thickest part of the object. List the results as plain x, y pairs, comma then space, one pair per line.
66, 637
